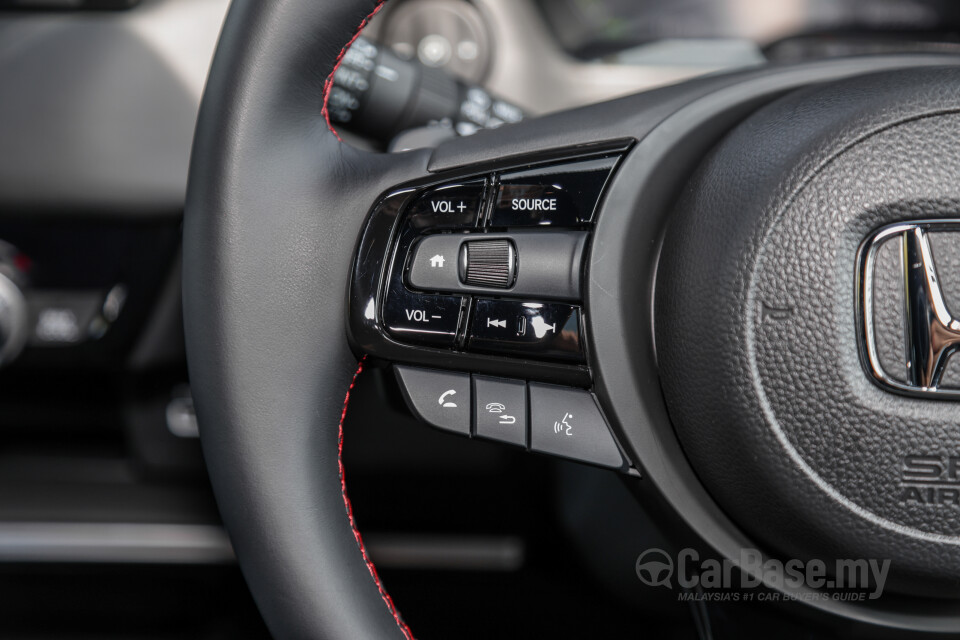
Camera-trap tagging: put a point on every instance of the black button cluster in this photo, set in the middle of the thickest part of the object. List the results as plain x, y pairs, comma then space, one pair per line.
458, 275
518, 263
561, 421
429, 319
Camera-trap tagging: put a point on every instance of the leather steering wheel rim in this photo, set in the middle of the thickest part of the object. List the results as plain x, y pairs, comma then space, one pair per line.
269, 229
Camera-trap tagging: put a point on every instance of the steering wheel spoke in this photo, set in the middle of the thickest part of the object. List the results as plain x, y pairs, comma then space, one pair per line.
480, 271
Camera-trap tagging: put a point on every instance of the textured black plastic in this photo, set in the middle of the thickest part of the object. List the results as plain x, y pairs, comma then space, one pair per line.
756, 330
622, 265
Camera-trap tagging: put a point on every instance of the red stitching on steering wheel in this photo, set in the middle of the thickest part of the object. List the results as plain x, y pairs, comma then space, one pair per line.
353, 524
328, 83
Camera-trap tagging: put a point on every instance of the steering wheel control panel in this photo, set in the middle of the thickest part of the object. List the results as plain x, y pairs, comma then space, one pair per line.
545, 418
478, 279
494, 264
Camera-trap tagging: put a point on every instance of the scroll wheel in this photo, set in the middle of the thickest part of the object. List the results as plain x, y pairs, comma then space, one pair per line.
488, 263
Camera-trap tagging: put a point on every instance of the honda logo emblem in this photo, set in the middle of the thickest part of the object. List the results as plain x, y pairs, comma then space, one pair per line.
931, 334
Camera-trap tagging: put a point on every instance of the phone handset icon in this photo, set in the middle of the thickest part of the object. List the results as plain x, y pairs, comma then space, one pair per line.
447, 403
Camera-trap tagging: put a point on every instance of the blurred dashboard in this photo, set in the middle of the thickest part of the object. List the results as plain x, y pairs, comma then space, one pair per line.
595, 28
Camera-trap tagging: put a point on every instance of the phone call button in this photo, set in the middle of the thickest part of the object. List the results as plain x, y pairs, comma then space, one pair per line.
439, 398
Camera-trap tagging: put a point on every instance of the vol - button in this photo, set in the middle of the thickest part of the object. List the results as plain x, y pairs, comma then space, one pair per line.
422, 319
422, 316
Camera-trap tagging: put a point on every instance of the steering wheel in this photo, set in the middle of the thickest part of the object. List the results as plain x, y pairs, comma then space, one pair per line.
730, 331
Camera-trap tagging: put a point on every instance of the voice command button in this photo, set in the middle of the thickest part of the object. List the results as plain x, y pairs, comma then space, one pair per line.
567, 422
